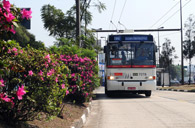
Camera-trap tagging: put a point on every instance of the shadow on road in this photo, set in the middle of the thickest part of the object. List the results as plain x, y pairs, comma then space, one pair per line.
99, 96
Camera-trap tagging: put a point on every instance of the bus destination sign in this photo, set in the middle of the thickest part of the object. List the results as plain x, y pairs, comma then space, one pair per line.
130, 38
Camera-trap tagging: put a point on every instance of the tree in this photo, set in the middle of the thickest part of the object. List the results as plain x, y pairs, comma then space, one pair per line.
167, 56
64, 25
57, 23
189, 43
175, 72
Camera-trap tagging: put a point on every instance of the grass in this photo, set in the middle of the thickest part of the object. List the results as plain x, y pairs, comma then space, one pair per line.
190, 88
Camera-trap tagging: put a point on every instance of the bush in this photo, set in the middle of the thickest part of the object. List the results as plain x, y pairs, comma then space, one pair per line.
41, 77
83, 79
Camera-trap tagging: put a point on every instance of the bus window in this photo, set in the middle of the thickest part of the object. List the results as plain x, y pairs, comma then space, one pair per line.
144, 54
120, 54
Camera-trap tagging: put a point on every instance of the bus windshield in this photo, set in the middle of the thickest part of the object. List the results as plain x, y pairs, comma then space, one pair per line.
131, 54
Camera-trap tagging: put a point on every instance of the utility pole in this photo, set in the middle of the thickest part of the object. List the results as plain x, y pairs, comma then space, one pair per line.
182, 70
159, 47
78, 23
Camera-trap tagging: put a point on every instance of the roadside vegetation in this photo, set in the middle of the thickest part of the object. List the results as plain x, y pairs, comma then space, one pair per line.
39, 84
190, 88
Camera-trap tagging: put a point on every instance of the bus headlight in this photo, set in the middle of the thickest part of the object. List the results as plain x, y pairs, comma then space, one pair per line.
151, 77
110, 77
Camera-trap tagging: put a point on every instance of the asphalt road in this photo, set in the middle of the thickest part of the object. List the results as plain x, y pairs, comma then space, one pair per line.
164, 109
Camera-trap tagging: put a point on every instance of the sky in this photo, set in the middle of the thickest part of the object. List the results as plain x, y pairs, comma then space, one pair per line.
133, 14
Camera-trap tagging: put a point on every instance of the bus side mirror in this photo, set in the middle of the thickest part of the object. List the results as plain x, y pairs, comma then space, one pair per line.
105, 49
156, 49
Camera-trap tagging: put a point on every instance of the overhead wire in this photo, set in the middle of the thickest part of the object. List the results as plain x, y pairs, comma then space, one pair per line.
165, 14
121, 14
112, 14
175, 13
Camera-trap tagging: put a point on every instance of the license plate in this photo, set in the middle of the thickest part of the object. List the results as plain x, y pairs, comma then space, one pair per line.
131, 88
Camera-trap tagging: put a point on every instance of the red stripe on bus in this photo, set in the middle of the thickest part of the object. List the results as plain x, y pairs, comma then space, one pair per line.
116, 59
118, 74
143, 66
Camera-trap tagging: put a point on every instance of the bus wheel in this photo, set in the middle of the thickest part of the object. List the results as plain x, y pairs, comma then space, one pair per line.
108, 93
148, 93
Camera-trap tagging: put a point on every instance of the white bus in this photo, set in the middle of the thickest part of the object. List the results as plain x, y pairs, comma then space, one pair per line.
130, 64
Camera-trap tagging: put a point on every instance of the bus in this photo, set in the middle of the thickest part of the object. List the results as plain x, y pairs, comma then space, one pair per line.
130, 64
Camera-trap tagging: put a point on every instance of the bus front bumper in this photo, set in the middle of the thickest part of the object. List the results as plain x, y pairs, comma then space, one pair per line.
131, 86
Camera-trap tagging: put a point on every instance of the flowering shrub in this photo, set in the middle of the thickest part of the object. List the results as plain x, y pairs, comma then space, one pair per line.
30, 81
33, 81
9, 15
83, 79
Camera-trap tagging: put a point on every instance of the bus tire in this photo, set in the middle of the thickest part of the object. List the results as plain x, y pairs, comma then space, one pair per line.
148, 93
108, 93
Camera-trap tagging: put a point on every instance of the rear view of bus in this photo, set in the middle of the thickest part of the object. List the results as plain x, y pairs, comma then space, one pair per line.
130, 64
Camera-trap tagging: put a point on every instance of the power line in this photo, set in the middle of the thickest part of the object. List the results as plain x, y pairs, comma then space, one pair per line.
165, 14
112, 13
175, 13
121, 15
122, 10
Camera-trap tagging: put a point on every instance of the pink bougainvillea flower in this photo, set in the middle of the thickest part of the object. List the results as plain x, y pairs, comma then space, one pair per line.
63, 86
2, 83
9, 51
14, 49
42, 78
40, 73
56, 79
50, 72
86, 94
26, 14
21, 51
73, 74
48, 58
6, 99
20, 92
30, 73
67, 92
16, 54
6, 5
9, 17
12, 29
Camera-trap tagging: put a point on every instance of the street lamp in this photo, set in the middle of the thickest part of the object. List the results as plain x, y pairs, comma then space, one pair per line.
159, 46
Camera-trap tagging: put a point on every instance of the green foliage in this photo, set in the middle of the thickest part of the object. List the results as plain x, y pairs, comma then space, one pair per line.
57, 23
64, 25
167, 54
24, 38
66, 46
43, 90
175, 72
189, 43
88, 53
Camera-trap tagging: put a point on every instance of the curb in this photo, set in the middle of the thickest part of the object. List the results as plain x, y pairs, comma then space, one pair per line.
80, 122
176, 90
